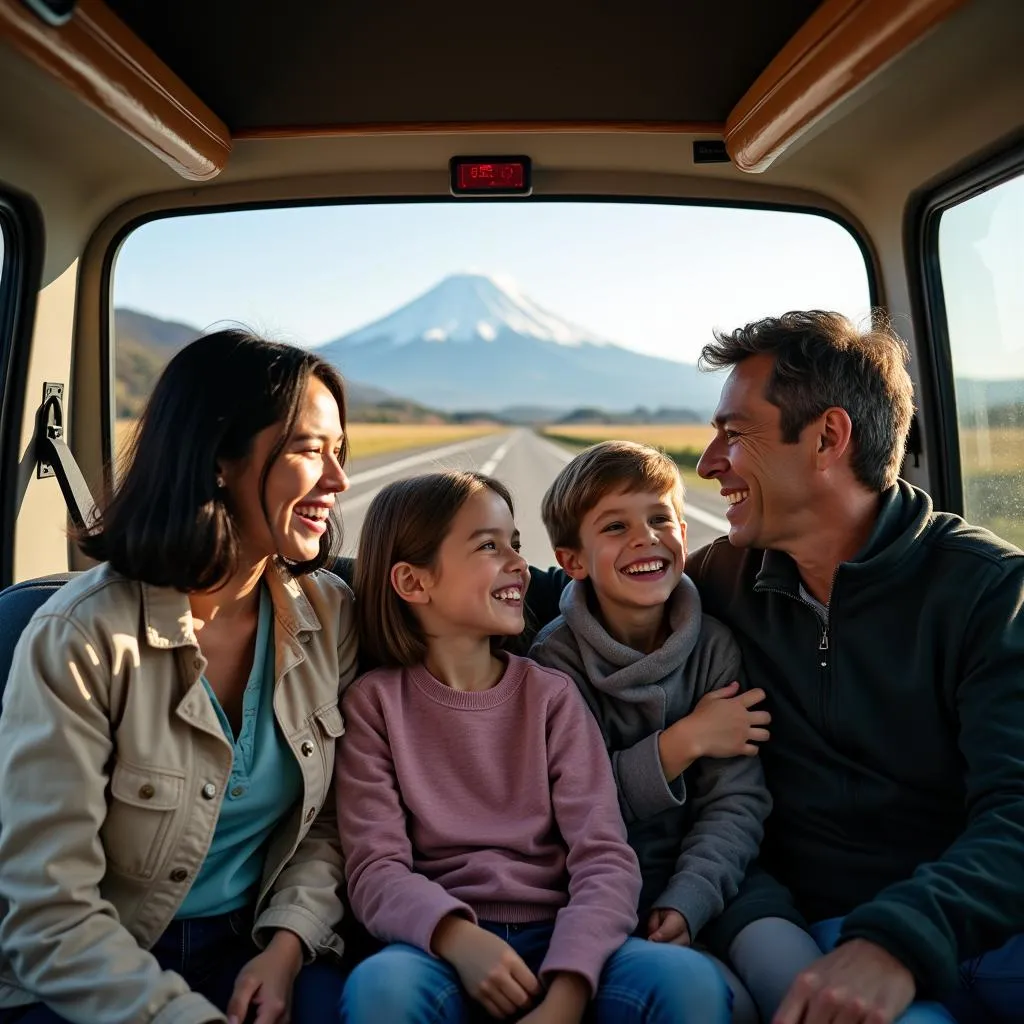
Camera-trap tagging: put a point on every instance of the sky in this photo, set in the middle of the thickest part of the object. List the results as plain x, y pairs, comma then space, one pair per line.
653, 277
981, 259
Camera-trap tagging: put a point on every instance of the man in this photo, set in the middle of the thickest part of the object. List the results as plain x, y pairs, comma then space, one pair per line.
890, 640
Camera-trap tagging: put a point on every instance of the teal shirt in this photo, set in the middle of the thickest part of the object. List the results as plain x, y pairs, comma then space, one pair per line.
265, 784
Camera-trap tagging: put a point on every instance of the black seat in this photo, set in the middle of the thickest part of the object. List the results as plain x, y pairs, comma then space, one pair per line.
17, 606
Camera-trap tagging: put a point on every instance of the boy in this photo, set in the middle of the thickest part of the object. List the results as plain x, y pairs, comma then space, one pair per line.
662, 681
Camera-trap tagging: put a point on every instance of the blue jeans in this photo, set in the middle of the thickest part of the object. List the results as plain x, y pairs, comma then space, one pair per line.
642, 983
991, 987
208, 952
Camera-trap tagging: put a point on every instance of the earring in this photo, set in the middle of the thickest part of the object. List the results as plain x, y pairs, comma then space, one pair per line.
220, 482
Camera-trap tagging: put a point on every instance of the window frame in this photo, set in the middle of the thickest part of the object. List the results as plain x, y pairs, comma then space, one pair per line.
981, 172
22, 226
108, 368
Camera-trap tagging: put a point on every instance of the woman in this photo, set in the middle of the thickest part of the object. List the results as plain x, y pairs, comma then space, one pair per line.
168, 729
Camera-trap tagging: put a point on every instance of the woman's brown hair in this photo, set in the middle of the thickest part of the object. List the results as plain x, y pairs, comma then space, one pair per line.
407, 521
168, 523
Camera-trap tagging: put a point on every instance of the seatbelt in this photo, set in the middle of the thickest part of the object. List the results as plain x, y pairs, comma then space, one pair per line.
54, 458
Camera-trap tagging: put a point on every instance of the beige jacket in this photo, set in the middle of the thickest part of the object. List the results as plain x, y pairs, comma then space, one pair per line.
114, 765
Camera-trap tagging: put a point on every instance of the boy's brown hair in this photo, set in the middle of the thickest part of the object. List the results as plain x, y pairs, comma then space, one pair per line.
407, 521
605, 468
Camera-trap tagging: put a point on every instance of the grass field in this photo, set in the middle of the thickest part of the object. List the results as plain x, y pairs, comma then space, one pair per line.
993, 477
367, 439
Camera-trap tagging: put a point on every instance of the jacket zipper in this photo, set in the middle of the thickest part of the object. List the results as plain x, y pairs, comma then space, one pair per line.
823, 642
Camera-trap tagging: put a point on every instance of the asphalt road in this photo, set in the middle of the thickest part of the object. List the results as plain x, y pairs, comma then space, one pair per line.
523, 461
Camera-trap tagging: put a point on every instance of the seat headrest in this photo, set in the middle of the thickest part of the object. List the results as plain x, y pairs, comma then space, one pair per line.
17, 605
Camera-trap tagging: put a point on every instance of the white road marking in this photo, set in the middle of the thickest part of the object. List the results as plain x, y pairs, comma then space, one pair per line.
557, 450
351, 504
707, 518
357, 502
413, 460
492, 463
718, 523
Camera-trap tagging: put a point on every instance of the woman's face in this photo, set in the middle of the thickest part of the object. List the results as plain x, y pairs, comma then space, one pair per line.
301, 484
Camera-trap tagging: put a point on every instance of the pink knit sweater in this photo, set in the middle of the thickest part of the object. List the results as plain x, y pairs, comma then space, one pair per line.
498, 805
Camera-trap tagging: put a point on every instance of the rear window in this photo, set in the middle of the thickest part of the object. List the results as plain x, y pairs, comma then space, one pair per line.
497, 335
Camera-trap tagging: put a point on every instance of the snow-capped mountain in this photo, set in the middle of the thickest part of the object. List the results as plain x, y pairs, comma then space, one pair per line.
470, 307
476, 342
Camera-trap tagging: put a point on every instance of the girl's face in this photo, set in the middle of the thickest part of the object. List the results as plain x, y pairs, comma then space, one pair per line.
301, 484
479, 580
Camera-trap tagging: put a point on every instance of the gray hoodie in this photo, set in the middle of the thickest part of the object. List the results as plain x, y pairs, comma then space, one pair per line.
696, 837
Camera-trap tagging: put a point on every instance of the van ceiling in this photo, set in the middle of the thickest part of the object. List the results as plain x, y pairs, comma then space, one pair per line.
264, 64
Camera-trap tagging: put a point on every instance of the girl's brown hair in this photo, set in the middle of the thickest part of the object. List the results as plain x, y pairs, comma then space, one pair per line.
407, 521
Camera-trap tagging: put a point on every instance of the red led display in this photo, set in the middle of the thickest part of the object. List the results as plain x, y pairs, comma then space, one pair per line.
485, 175
473, 177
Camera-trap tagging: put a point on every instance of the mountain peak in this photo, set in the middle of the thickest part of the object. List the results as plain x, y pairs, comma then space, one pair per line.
470, 307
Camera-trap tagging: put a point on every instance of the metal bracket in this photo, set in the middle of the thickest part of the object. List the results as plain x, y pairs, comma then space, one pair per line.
49, 427
54, 458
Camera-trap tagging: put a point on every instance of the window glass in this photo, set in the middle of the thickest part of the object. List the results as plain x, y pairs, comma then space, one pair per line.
500, 335
981, 258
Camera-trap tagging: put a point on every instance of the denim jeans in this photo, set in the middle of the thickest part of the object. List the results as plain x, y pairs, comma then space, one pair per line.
208, 952
642, 983
991, 987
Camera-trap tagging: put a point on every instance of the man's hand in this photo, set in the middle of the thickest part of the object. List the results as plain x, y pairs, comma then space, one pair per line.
668, 926
490, 970
857, 983
266, 982
721, 725
565, 1002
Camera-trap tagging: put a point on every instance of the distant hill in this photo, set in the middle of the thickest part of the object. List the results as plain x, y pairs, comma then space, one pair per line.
637, 415
145, 343
474, 342
995, 402
539, 414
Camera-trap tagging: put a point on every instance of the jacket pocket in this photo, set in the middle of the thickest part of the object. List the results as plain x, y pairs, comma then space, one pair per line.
329, 726
143, 805
330, 720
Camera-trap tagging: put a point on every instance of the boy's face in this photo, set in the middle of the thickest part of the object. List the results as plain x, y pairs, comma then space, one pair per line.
632, 549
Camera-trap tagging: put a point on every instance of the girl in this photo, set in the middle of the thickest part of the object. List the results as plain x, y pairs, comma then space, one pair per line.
169, 724
479, 818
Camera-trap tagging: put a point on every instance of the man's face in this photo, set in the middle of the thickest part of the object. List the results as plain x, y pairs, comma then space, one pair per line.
770, 485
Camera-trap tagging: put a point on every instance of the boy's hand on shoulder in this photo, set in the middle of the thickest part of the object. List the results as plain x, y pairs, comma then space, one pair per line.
670, 926
726, 724
490, 970
723, 724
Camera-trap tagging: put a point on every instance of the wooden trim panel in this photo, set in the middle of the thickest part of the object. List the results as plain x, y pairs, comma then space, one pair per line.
834, 53
108, 67
482, 128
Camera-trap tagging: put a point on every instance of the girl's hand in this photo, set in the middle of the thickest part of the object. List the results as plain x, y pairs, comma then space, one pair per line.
565, 1002
490, 970
266, 982
668, 926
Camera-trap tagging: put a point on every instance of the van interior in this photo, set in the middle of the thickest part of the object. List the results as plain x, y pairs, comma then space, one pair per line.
902, 121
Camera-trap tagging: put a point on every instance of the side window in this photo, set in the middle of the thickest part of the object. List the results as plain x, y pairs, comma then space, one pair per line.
981, 261
20, 267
